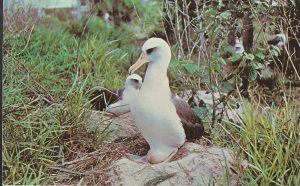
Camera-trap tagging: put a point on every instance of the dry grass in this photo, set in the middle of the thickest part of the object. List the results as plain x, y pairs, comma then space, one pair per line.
93, 167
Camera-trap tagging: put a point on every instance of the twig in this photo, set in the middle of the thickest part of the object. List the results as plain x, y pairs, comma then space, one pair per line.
37, 83
27, 41
82, 158
211, 83
230, 135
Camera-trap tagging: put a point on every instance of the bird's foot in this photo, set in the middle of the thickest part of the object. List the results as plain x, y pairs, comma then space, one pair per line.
170, 156
136, 158
155, 158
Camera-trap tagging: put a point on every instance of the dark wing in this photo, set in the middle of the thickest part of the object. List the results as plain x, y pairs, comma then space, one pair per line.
100, 99
192, 124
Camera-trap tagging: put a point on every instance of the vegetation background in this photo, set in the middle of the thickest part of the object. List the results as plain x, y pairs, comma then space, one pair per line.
53, 63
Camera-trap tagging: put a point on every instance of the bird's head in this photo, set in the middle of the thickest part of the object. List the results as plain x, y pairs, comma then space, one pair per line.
154, 50
134, 81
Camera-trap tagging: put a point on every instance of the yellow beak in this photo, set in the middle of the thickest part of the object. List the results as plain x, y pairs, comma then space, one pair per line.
142, 60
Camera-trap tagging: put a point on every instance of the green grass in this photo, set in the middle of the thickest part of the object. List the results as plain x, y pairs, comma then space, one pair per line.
49, 69
269, 140
31, 143
47, 76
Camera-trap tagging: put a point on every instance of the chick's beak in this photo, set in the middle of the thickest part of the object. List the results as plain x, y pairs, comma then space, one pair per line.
142, 60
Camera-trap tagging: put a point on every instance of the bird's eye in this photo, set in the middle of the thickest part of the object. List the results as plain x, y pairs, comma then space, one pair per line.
135, 80
150, 50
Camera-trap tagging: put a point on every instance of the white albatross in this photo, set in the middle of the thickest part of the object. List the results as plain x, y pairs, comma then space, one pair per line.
119, 100
154, 110
133, 84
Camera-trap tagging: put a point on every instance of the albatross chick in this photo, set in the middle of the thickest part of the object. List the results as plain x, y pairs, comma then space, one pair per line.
119, 100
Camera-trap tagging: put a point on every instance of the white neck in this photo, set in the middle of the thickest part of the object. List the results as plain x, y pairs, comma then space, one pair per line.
130, 89
156, 73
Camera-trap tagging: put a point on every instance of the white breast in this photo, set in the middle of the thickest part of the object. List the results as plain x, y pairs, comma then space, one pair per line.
155, 116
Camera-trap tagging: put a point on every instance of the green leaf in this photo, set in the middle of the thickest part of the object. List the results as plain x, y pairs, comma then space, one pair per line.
275, 48
249, 56
229, 49
235, 57
202, 112
262, 49
245, 6
256, 65
266, 63
221, 60
260, 55
218, 59
191, 68
274, 52
217, 67
212, 12
253, 75
225, 15
214, 88
226, 86
232, 103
